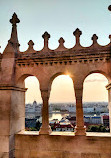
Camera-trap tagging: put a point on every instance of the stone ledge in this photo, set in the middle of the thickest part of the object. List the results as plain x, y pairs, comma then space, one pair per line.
4, 87
88, 134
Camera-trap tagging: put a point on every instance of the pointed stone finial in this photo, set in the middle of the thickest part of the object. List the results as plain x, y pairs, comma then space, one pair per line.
30, 48
61, 41
61, 45
31, 44
77, 33
46, 37
14, 37
109, 8
14, 19
94, 38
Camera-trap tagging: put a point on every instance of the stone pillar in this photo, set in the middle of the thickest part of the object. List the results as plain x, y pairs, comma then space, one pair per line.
108, 87
80, 128
12, 117
45, 129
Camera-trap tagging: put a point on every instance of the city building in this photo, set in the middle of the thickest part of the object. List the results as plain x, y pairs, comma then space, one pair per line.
33, 110
67, 127
105, 119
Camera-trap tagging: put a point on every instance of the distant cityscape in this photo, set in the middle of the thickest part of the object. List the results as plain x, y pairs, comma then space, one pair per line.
62, 116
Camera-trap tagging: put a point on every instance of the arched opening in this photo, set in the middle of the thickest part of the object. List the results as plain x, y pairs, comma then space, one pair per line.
95, 103
33, 104
62, 108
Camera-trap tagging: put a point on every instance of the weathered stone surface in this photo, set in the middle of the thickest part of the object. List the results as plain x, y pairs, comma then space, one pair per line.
4, 141
90, 155
54, 146
4, 155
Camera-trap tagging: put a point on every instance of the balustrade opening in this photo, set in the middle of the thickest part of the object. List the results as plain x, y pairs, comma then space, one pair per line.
62, 108
95, 103
33, 105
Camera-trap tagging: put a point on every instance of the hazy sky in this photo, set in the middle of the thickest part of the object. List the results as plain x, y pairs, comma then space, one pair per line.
59, 18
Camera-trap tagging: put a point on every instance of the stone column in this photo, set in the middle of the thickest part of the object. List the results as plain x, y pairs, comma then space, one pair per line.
12, 117
80, 128
108, 87
45, 129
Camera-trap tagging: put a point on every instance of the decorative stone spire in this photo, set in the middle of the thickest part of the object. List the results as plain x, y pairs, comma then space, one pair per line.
77, 33
46, 37
31, 44
94, 39
61, 41
30, 48
61, 45
14, 38
14, 19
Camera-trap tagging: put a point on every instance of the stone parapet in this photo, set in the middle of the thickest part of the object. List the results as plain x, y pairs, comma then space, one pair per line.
62, 146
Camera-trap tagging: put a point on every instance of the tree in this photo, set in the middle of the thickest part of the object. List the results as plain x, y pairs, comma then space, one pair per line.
96, 128
38, 125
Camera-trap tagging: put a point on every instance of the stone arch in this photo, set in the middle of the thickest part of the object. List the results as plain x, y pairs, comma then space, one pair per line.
58, 87
21, 83
99, 72
56, 75
79, 95
21, 79
95, 95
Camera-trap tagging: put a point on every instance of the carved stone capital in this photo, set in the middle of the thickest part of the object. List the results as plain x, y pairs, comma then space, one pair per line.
78, 93
45, 94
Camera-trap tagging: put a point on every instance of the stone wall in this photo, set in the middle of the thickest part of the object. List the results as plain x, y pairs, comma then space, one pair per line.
62, 146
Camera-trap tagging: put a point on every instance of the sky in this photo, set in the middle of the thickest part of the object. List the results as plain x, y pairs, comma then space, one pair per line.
60, 18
